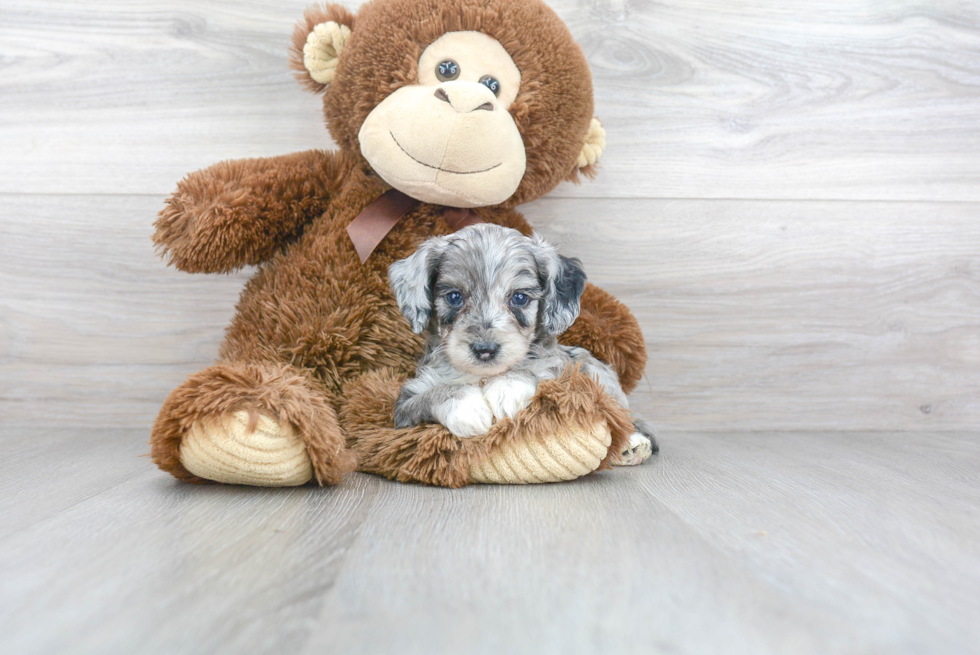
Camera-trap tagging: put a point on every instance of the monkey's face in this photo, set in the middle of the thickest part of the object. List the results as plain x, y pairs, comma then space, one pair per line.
463, 103
449, 139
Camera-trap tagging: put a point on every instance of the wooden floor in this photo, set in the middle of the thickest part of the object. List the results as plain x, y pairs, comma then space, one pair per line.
789, 203
724, 543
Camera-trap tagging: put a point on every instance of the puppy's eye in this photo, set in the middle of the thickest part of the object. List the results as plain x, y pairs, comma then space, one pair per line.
454, 298
447, 70
491, 83
518, 299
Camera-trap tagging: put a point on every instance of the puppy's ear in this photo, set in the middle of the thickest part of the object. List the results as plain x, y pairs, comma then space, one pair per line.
318, 41
411, 279
563, 279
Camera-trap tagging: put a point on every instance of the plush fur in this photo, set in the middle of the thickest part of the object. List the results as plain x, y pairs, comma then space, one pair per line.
317, 335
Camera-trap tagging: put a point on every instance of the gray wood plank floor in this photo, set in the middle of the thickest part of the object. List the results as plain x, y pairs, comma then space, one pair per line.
725, 543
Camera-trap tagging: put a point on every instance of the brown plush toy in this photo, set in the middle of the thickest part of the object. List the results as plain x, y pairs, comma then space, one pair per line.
445, 112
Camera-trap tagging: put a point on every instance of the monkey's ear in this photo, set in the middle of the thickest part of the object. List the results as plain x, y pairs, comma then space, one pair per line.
595, 143
318, 41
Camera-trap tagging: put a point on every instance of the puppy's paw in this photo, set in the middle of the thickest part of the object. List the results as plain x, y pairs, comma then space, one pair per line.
645, 428
507, 396
638, 451
467, 415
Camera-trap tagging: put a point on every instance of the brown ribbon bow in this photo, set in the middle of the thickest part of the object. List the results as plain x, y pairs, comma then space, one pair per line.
375, 221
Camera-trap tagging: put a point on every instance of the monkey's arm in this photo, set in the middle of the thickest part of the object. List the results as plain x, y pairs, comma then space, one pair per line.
607, 329
242, 211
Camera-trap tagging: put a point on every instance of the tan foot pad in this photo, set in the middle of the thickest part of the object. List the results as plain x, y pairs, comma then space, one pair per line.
554, 458
224, 450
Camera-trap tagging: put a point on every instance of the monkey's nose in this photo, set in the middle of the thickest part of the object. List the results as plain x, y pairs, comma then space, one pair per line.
464, 99
485, 350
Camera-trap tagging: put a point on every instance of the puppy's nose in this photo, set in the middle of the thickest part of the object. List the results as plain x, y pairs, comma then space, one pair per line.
485, 350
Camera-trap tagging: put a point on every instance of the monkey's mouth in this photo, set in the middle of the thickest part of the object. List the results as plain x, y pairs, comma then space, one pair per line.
444, 170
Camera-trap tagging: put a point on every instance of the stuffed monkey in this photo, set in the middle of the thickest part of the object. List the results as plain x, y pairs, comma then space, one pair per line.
444, 112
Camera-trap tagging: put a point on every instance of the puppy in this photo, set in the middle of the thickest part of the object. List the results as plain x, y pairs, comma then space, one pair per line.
492, 303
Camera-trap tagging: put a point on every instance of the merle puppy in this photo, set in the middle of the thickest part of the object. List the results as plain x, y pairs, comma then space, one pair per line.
493, 303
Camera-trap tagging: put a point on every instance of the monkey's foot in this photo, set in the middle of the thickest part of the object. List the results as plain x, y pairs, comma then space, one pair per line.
224, 449
570, 429
566, 454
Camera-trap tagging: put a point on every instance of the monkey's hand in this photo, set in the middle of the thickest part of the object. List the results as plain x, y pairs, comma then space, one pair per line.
241, 212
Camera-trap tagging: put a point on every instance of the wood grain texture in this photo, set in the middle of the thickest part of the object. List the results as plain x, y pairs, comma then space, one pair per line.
788, 315
757, 315
748, 543
700, 98
91, 322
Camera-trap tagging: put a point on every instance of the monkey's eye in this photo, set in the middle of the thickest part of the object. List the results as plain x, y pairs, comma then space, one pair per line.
447, 70
491, 83
519, 299
454, 298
